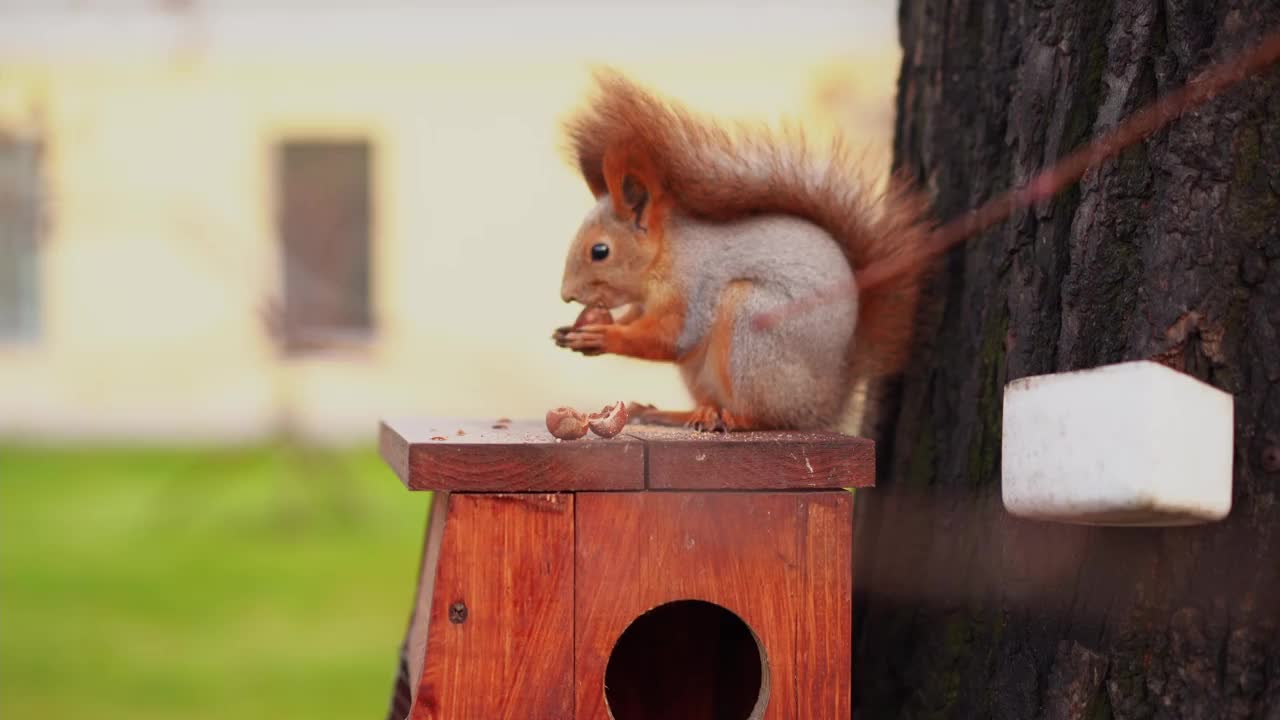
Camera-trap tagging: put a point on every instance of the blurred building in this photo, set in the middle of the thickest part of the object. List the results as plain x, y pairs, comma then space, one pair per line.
227, 220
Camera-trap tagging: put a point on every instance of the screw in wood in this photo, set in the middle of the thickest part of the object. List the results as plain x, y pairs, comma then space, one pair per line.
458, 613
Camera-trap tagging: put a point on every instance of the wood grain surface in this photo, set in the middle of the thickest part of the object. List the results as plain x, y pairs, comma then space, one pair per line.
476, 456
500, 644
687, 460
780, 561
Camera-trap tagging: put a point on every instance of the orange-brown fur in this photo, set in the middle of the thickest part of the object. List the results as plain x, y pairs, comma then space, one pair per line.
720, 344
719, 175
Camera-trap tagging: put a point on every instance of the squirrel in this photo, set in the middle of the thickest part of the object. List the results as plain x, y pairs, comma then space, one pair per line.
697, 229
773, 279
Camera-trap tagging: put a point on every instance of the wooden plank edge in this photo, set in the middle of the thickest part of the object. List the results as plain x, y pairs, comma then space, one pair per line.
660, 476
558, 458
394, 449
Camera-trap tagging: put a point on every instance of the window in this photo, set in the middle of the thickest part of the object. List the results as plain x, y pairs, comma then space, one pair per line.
19, 238
325, 220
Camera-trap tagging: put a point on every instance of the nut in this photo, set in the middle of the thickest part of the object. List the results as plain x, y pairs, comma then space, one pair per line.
566, 423
593, 315
609, 421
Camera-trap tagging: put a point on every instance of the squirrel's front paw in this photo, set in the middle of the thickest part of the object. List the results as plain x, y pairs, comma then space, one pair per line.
588, 339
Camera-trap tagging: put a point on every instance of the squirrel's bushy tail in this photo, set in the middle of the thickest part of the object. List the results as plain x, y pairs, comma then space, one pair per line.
718, 174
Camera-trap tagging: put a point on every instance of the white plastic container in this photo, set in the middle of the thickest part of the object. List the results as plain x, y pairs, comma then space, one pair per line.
1135, 444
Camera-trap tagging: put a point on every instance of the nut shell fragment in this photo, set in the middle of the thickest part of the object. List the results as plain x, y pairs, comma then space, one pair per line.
566, 423
609, 421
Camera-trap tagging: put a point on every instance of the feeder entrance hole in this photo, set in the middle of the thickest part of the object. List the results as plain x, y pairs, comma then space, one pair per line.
687, 660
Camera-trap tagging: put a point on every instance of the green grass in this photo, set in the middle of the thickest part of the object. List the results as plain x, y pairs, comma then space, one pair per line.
255, 583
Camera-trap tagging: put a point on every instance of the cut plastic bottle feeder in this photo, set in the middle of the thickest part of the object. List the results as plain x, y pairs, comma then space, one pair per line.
1133, 444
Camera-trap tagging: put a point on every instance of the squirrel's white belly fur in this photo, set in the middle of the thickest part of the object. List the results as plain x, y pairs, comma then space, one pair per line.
793, 375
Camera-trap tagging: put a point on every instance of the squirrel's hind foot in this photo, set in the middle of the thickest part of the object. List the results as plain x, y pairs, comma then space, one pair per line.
704, 418
645, 414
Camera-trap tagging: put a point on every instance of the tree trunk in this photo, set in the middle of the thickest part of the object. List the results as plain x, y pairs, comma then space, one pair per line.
1169, 252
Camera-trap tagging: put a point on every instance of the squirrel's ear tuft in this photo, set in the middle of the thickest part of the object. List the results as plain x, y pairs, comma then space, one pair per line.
633, 187
631, 197
593, 172
635, 196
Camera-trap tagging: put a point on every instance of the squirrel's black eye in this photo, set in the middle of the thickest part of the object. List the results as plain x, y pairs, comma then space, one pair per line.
599, 251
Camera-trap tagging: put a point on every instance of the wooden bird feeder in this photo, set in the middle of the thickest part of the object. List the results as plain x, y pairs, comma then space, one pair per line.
661, 574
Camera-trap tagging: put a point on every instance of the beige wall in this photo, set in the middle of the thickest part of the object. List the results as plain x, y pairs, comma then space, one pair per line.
161, 249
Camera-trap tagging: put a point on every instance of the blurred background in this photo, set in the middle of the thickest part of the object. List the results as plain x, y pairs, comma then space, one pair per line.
234, 234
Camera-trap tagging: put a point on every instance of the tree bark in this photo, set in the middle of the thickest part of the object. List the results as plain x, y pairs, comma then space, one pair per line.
1170, 252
